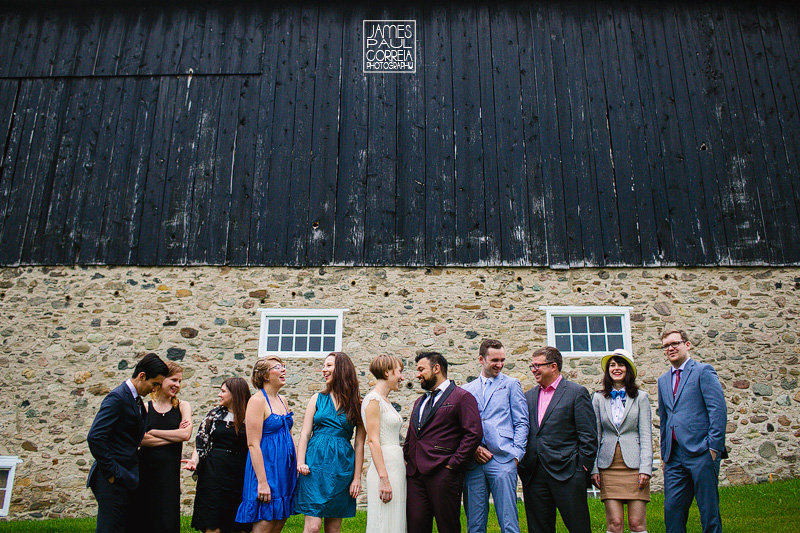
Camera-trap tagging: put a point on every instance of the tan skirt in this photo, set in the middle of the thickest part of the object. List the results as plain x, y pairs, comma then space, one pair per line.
618, 482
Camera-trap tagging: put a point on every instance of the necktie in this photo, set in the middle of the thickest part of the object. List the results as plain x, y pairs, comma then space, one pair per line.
486, 385
426, 411
140, 403
677, 382
617, 394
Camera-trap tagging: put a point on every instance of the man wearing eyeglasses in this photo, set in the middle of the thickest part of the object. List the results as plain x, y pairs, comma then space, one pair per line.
693, 416
561, 448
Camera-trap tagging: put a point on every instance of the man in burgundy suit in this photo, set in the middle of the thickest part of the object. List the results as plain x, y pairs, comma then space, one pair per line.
443, 434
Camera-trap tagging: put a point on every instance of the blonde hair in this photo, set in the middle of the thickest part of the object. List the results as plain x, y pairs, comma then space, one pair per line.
172, 369
261, 370
383, 364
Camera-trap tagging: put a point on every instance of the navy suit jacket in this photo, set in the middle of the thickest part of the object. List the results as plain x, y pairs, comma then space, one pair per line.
115, 436
697, 412
449, 437
566, 442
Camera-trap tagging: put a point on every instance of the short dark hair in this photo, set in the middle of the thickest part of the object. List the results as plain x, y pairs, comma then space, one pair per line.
434, 358
487, 344
668, 332
551, 355
152, 366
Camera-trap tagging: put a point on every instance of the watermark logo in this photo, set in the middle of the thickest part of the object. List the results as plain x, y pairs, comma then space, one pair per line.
390, 46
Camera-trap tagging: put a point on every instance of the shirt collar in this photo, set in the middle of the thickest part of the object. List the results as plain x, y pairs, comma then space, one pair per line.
443, 385
554, 384
129, 383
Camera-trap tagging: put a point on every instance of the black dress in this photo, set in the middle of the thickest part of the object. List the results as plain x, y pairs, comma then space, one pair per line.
159, 491
220, 477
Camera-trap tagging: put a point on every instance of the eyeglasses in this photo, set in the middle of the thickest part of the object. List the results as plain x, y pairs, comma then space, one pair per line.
536, 366
278, 367
671, 345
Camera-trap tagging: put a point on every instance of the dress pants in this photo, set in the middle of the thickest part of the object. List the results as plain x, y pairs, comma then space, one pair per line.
685, 478
113, 501
545, 493
501, 480
435, 495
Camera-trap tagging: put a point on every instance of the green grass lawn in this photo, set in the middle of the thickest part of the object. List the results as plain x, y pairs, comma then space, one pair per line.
744, 509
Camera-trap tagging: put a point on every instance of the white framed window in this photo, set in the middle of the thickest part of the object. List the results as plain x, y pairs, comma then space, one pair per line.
8, 465
588, 330
300, 332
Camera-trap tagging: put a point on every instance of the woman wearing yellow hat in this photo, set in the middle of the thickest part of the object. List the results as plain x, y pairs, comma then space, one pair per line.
624, 461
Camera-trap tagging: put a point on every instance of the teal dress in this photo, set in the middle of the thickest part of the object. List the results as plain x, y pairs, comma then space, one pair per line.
330, 457
280, 466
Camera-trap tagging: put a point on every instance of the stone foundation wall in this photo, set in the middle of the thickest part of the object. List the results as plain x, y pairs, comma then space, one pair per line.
68, 335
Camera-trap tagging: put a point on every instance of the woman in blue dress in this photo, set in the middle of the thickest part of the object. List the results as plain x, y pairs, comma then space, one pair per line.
270, 474
330, 467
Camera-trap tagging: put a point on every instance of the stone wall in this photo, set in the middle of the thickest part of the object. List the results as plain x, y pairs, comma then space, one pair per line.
68, 335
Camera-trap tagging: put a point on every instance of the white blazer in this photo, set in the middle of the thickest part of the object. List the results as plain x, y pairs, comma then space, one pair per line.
634, 435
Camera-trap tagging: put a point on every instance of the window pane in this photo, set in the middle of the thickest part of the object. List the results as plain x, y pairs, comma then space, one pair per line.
330, 327
562, 343
596, 324
272, 344
561, 324
273, 326
578, 324
598, 343
3, 478
286, 344
300, 344
301, 327
287, 328
614, 342
314, 344
580, 343
614, 324
329, 343
316, 327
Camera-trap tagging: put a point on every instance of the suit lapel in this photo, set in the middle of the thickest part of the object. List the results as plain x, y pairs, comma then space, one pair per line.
557, 395
628, 404
687, 371
534, 409
439, 402
498, 382
415, 413
664, 383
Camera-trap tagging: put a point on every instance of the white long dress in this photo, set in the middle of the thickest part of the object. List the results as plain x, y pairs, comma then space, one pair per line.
386, 517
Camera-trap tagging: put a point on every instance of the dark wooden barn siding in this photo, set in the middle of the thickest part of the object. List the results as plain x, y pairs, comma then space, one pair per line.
548, 133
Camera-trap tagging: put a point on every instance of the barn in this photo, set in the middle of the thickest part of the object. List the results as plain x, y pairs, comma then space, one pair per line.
212, 181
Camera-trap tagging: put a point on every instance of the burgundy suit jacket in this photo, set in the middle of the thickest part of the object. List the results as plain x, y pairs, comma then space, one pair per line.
449, 437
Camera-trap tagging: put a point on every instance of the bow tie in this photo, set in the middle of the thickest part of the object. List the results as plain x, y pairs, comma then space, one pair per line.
617, 394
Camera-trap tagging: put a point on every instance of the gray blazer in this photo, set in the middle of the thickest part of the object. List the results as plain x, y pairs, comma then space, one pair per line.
635, 433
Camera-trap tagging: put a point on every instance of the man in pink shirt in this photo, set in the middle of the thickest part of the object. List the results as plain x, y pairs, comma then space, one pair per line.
562, 445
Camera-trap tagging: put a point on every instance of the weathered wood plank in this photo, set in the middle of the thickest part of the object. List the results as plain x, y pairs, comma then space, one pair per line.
776, 155
19, 166
27, 42
325, 138
140, 35
531, 135
153, 210
469, 172
109, 46
10, 23
303, 119
8, 119
512, 181
353, 128
411, 127
440, 238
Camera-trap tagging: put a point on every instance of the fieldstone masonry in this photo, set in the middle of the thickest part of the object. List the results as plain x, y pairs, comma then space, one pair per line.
68, 335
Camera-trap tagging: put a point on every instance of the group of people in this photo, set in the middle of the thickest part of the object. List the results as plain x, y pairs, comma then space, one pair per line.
473, 442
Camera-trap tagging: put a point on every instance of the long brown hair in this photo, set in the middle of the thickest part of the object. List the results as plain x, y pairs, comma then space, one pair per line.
240, 392
345, 386
631, 388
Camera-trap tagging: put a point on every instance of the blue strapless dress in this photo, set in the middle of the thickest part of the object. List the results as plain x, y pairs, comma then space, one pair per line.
280, 464
325, 492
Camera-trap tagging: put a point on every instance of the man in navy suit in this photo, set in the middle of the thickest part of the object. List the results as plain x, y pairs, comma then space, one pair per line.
693, 416
504, 417
562, 446
113, 439
443, 433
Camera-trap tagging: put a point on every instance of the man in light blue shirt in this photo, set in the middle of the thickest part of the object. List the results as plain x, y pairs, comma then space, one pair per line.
504, 417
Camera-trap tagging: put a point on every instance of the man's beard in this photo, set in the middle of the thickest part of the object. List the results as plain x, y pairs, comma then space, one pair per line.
428, 384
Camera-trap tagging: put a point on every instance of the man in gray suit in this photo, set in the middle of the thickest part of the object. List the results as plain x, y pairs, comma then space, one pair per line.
504, 418
693, 416
561, 449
